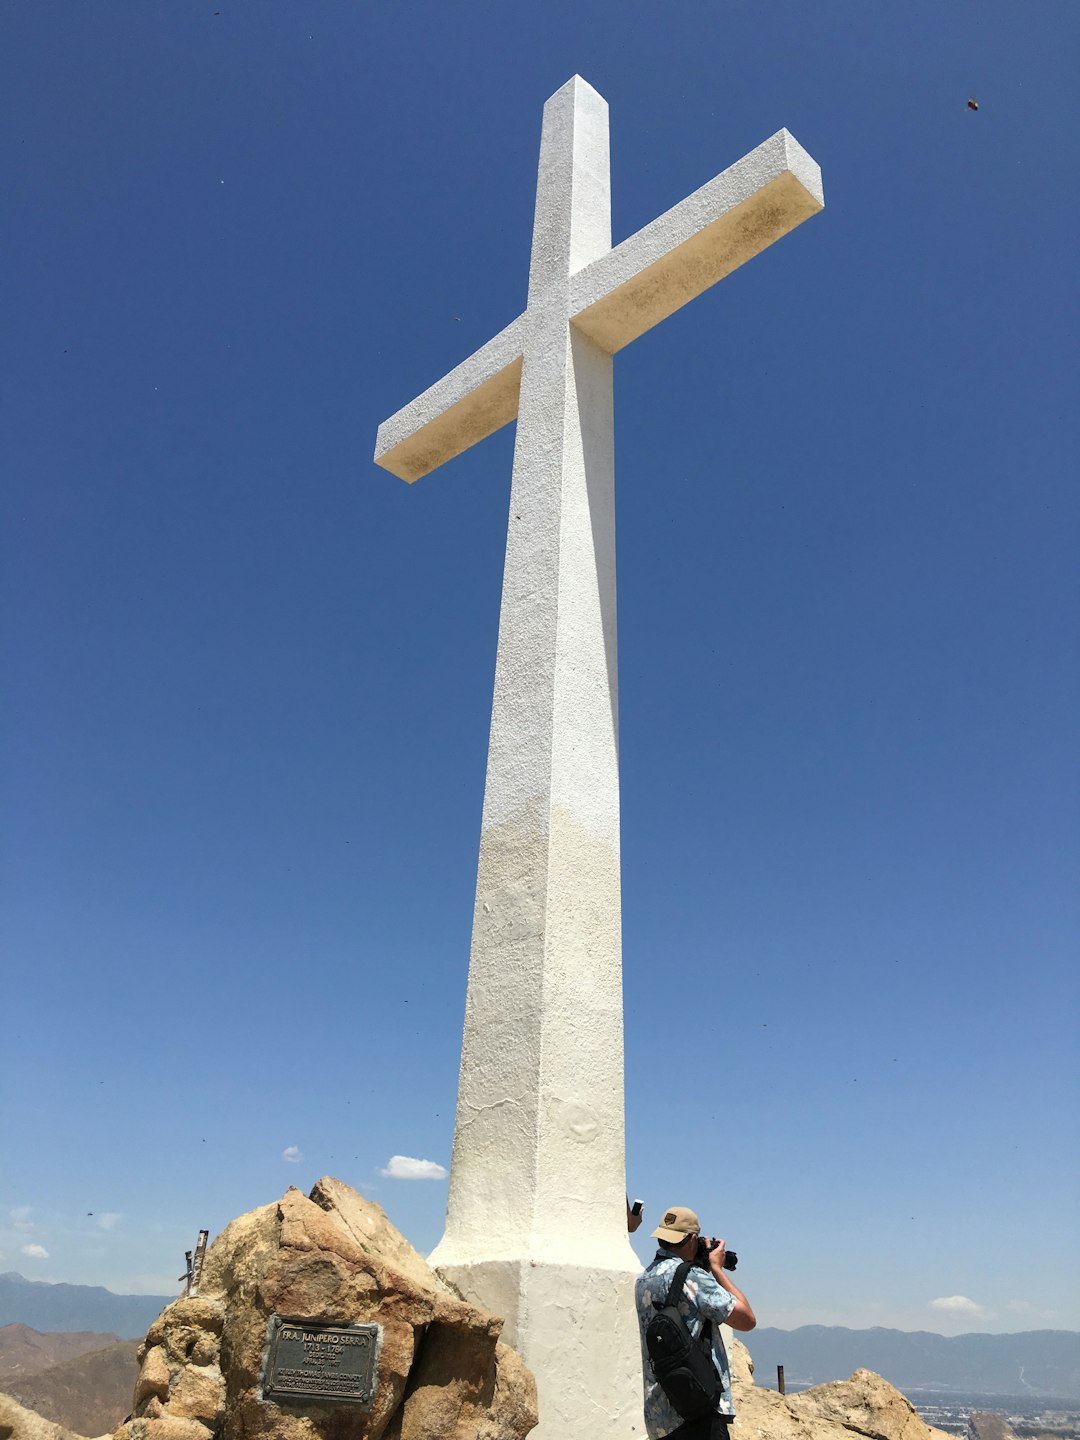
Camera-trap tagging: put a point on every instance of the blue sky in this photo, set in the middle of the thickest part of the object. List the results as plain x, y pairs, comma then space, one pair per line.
249, 674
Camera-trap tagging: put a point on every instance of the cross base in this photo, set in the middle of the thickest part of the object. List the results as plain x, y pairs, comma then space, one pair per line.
576, 1329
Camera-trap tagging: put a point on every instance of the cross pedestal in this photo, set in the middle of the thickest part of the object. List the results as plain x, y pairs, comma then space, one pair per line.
536, 1221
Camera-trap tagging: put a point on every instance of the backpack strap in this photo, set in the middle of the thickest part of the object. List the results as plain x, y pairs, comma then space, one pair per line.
678, 1280
675, 1294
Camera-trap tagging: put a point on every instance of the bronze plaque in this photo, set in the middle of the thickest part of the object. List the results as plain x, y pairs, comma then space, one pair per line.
314, 1360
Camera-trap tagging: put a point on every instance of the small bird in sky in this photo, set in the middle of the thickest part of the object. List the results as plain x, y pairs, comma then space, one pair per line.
973, 104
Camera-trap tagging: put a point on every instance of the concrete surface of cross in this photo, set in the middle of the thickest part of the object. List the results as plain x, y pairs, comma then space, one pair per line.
536, 1221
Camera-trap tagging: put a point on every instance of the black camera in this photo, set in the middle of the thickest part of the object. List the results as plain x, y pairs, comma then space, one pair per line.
705, 1247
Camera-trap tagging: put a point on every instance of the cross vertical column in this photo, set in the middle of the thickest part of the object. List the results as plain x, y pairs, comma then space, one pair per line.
536, 1221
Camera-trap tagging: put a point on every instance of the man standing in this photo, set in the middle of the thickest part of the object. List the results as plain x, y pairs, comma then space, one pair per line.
708, 1296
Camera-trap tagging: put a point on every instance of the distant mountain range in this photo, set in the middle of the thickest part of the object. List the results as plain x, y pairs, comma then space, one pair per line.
83, 1382
24, 1351
76, 1307
1034, 1362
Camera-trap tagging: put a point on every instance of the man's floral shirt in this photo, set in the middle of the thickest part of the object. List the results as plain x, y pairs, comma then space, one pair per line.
703, 1299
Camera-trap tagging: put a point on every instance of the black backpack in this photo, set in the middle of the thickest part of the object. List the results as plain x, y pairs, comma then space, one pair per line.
683, 1367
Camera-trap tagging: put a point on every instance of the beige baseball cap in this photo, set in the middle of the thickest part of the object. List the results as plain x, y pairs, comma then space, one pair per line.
677, 1224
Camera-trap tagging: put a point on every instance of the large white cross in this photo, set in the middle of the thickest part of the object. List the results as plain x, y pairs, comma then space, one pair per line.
535, 1226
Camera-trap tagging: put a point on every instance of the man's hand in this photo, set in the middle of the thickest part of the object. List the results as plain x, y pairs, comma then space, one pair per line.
716, 1258
742, 1316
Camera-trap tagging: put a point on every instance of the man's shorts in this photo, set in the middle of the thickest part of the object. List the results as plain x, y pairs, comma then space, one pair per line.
709, 1427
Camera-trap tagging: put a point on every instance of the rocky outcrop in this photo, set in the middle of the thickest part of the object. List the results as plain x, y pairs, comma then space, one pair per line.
863, 1405
989, 1425
443, 1373
89, 1394
334, 1257
453, 1392
18, 1423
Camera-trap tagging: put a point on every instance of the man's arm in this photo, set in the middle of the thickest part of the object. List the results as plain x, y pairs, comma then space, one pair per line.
741, 1316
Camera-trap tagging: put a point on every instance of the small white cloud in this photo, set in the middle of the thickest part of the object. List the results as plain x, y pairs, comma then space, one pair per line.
108, 1221
958, 1305
292, 1154
35, 1252
404, 1167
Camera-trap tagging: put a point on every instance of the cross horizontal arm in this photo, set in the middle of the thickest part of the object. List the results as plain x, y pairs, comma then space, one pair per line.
692, 246
616, 298
478, 397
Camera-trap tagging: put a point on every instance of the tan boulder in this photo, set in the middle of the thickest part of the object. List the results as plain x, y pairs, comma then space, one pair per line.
164, 1427
18, 1423
198, 1394
864, 1404
989, 1425
332, 1257
455, 1394
153, 1378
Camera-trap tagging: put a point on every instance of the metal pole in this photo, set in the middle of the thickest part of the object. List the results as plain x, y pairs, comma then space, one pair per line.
197, 1264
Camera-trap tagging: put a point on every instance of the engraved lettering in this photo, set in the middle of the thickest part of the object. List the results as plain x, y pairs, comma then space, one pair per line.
321, 1362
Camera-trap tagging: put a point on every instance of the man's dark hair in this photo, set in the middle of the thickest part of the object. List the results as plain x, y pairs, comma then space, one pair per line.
669, 1245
